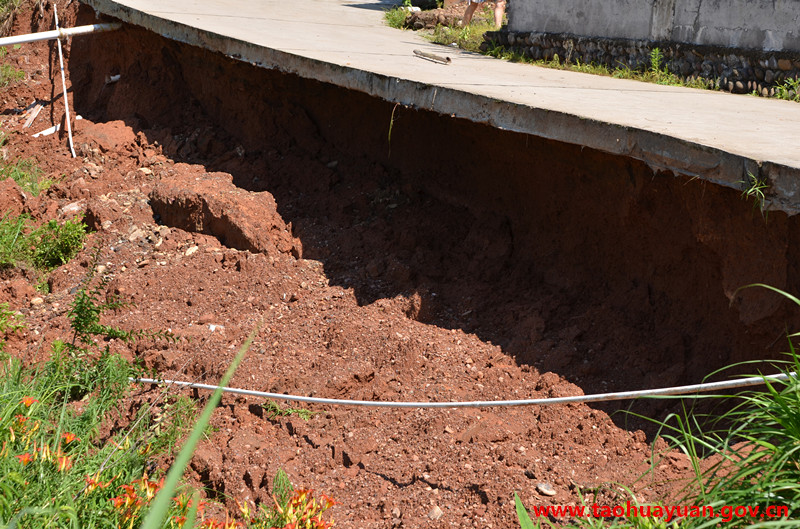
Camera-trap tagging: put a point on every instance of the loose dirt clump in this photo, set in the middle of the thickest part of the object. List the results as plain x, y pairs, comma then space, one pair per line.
471, 264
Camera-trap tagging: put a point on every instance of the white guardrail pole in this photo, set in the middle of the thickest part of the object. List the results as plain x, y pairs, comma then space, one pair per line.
59, 33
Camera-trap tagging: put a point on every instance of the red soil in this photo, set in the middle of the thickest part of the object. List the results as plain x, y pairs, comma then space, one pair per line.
471, 264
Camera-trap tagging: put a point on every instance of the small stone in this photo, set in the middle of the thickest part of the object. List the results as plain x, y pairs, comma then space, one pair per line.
136, 234
545, 489
396, 513
93, 170
333, 164
101, 269
106, 224
769, 76
191, 250
145, 171
73, 208
37, 301
435, 513
785, 64
448, 429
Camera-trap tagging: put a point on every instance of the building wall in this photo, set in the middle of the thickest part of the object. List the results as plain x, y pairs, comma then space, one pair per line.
766, 25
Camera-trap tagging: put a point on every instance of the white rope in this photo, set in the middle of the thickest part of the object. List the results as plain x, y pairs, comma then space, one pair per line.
600, 397
64, 83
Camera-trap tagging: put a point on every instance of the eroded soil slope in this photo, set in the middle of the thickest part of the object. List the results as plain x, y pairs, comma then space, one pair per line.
465, 263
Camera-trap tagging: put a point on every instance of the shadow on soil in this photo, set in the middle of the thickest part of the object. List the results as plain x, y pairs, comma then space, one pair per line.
573, 261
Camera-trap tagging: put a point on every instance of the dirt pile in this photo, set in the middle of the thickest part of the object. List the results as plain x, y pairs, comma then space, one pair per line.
470, 264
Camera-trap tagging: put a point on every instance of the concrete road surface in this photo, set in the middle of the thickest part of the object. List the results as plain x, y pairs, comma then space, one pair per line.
716, 136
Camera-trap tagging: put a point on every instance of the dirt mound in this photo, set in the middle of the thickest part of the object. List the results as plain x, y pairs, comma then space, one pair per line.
471, 264
209, 203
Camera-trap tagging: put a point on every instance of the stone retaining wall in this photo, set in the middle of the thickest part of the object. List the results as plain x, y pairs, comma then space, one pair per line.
735, 70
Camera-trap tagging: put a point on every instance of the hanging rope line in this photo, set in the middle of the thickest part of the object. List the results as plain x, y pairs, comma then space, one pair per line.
684, 391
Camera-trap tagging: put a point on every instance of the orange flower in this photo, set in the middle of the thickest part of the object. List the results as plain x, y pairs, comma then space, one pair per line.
64, 463
92, 483
25, 458
28, 401
69, 437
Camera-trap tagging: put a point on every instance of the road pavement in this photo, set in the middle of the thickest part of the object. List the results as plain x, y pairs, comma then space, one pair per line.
716, 136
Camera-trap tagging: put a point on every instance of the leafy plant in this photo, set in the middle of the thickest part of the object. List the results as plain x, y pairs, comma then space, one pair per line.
9, 322
469, 38
274, 410
45, 248
657, 61
396, 16
14, 244
55, 244
8, 74
789, 89
27, 175
755, 190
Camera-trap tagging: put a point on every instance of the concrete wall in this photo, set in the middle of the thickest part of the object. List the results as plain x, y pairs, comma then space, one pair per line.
767, 25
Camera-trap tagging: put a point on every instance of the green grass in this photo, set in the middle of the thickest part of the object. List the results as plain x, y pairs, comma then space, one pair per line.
42, 248
55, 468
8, 74
26, 173
8, 9
273, 410
788, 90
396, 17
10, 322
657, 72
467, 38
755, 188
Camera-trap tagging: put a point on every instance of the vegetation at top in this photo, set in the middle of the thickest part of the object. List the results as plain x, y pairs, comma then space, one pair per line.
471, 38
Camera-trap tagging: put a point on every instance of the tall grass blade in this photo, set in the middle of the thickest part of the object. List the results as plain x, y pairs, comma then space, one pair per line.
161, 504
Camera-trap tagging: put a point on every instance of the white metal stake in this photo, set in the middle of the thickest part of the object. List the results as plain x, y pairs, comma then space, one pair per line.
64, 84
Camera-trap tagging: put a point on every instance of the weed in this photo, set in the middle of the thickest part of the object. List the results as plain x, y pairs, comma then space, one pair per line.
14, 243
657, 61
754, 189
8, 74
789, 89
161, 502
391, 127
55, 244
9, 322
468, 38
274, 410
44, 248
27, 175
396, 17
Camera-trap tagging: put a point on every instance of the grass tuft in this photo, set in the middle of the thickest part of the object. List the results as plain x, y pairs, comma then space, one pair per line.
43, 248
396, 17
